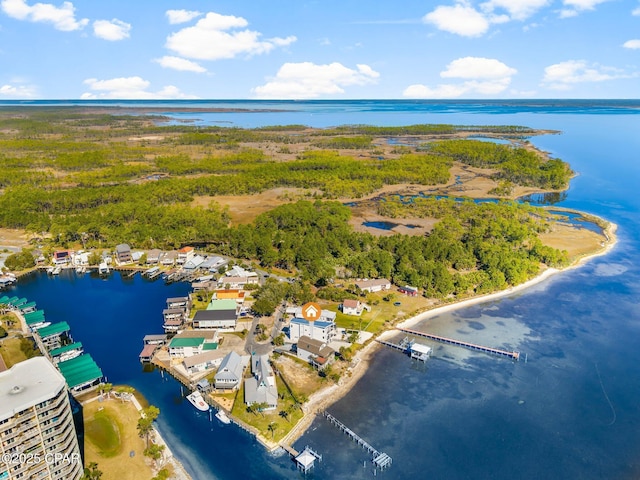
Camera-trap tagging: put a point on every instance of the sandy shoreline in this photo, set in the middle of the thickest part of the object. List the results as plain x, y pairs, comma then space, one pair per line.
324, 398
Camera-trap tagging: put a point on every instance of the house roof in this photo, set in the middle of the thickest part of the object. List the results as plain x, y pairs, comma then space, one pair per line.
255, 392
315, 347
231, 367
318, 324
222, 304
123, 248
208, 356
180, 342
185, 249
214, 315
372, 283
148, 350
349, 303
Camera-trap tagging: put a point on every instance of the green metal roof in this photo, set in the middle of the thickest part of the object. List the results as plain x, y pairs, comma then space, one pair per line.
4, 299
37, 313
27, 305
17, 301
186, 342
54, 329
210, 346
224, 304
35, 318
80, 370
67, 348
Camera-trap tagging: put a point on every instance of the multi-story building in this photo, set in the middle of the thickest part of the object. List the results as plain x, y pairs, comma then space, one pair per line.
37, 434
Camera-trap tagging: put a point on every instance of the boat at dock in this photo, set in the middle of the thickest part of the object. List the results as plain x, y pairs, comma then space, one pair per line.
197, 401
57, 270
223, 417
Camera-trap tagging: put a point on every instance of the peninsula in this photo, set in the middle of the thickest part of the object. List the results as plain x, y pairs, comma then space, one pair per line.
429, 211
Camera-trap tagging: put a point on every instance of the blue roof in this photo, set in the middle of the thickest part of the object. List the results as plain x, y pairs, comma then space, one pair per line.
318, 323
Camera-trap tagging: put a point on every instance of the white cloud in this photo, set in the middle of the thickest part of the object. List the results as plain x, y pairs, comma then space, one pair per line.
460, 19
113, 30
129, 88
216, 36
563, 75
181, 16
17, 91
633, 44
182, 64
574, 7
517, 9
477, 68
63, 18
636, 12
308, 80
482, 76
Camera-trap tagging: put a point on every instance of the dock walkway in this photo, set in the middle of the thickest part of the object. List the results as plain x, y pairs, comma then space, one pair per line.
379, 459
495, 351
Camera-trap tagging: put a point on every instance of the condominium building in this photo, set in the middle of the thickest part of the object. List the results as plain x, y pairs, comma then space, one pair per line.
37, 434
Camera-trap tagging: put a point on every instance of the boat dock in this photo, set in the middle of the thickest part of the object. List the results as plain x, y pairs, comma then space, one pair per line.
416, 351
380, 459
480, 348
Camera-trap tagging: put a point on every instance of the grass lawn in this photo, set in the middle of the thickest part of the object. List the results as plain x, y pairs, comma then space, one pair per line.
110, 436
281, 423
10, 351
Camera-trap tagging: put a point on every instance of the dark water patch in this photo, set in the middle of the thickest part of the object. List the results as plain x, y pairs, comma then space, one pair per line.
382, 225
500, 141
476, 325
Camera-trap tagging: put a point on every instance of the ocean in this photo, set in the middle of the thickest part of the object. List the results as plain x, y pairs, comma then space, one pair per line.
572, 410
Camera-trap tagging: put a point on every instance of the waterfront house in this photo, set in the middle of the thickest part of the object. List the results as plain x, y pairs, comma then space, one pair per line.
232, 294
153, 256
185, 254
376, 285
213, 263
316, 352
234, 282
123, 254
183, 303
210, 358
322, 329
194, 263
62, 257
229, 374
353, 307
168, 258
221, 314
190, 343
81, 259
261, 387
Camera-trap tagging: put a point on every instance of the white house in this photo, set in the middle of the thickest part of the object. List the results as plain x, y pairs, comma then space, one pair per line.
185, 254
323, 329
203, 361
376, 285
261, 387
229, 374
353, 307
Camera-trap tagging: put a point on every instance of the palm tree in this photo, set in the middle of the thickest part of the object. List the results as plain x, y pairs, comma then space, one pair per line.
284, 414
91, 472
272, 428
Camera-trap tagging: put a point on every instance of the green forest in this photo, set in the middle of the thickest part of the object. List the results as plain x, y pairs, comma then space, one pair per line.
70, 176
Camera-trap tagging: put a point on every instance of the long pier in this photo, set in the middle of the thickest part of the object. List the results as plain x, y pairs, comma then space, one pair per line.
379, 459
480, 348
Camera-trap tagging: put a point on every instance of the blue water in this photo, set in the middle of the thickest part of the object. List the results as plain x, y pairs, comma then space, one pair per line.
571, 411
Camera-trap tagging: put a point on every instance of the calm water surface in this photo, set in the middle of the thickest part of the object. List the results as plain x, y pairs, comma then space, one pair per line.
571, 411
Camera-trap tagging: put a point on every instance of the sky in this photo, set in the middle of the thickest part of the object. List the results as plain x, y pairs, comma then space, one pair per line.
324, 49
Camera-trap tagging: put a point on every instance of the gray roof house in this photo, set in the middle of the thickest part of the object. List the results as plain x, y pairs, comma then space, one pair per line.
123, 253
261, 388
316, 352
229, 373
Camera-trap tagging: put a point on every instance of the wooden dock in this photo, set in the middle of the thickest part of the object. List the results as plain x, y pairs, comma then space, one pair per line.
380, 459
480, 348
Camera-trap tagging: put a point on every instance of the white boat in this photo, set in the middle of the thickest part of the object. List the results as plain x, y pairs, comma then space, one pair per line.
223, 417
57, 270
197, 401
80, 269
103, 268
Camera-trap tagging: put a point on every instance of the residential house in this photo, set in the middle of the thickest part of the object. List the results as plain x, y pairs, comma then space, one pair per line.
213, 263
168, 258
194, 262
353, 307
153, 256
221, 314
376, 285
123, 254
62, 257
322, 329
204, 361
234, 282
261, 387
232, 294
185, 254
188, 344
229, 374
81, 259
316, 352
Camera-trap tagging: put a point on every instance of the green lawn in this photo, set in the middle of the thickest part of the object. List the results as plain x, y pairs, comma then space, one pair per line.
103, 431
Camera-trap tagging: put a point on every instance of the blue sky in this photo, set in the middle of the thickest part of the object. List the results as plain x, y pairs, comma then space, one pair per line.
325, 49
